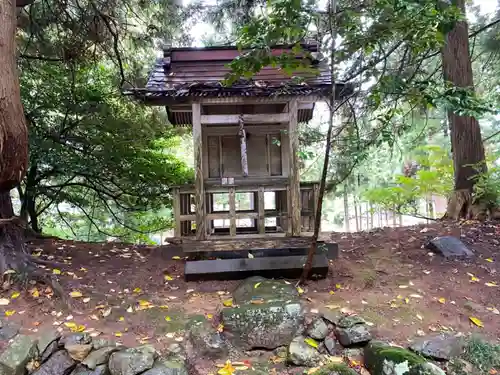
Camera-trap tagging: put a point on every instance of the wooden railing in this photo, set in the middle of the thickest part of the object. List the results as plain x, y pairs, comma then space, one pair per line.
185, 212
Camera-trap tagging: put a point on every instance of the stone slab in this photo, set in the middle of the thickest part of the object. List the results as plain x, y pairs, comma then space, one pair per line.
271, 267
449, 247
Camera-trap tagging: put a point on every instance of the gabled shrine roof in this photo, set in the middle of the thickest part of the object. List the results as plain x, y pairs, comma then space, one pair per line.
185, 73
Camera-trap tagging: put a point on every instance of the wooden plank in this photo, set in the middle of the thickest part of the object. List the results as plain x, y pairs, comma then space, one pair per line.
294, 176
232, 212
261, 224
271, 118
214, 162
272, 267
198, 165
177, 211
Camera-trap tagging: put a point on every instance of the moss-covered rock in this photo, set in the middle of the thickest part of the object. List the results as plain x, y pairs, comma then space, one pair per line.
336, 369
383, 359
267, 314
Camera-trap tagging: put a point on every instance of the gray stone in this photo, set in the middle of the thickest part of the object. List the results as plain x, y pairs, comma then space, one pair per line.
59, 363
82, 370
15, 357
205, 340
383, 359
78, 351
168, 367
355, 335
99, 356
427, 368
317, 329
439, 346
46, 338
449, 247
302, 354
75, 339
49, 350
348, 321
333, 316
104, 343
132, 361
9, 330
267, 314
330, 345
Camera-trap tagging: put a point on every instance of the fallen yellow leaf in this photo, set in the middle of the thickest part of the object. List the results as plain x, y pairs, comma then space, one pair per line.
476, 321
15, 295
76, 294
10, 312
228, 369
56, 271
311, 342
228, 302
442, 300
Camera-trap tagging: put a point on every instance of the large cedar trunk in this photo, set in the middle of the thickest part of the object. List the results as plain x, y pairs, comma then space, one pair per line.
466, 142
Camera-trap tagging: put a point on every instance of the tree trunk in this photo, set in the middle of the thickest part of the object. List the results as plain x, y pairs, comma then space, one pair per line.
324, 173
346, 210
466, 142
13, 131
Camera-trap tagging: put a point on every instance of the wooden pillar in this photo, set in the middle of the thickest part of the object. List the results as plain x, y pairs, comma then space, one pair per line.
199, 196
177, 212
243, 147
261, 222
232, 212
294, 175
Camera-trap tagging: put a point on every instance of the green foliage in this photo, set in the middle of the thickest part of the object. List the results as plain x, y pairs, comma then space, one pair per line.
435, 176
97, 151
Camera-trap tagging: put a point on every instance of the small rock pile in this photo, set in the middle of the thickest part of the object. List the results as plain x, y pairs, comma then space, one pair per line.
80, 354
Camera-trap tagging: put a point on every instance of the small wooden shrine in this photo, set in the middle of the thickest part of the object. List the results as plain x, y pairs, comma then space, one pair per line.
247, 194
245, 139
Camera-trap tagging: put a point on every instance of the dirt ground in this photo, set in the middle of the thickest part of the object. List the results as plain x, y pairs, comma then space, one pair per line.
137, 294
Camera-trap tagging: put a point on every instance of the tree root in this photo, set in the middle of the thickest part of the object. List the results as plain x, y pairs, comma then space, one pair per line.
17, 266
461, 205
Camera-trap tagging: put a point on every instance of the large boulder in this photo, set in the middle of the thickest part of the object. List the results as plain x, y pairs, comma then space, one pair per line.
266, 314
132, 361
442, 346
383, 359
203, 340
59, 363
21, 350
300, 353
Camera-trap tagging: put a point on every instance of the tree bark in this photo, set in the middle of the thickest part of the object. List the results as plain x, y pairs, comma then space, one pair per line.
466, 141
13, 131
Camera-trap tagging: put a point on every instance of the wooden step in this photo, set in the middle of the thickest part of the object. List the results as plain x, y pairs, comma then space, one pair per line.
289, 267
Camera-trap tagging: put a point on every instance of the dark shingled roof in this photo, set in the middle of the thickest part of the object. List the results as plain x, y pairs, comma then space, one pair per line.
184, 73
